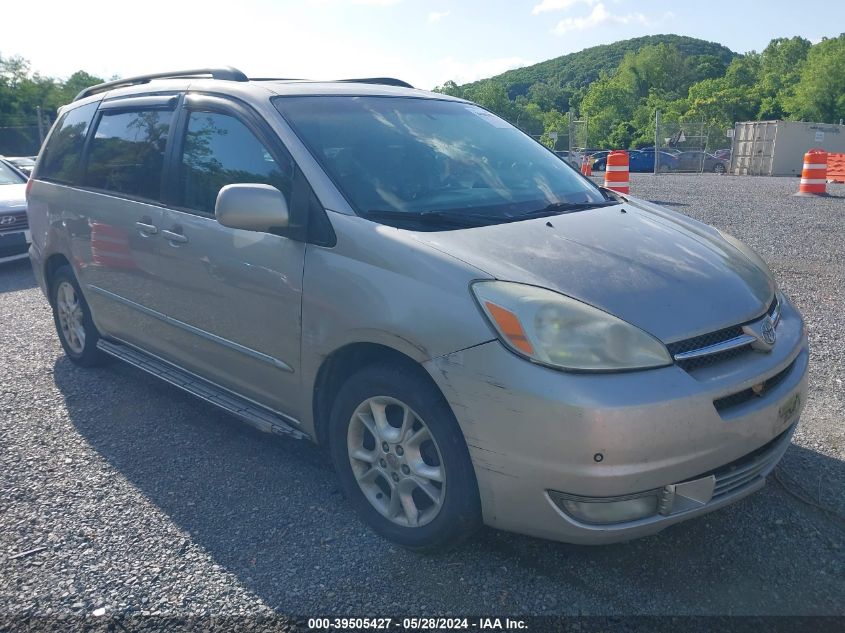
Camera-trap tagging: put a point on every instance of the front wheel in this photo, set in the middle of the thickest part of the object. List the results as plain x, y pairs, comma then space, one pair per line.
402, 460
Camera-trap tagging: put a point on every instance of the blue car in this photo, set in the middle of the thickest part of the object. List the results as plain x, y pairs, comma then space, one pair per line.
642, 161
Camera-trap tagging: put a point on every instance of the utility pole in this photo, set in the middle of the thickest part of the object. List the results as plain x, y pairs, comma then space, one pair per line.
40, 127
656, 139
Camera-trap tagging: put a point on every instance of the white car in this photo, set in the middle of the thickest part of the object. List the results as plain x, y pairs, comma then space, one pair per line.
14, 227
573, 159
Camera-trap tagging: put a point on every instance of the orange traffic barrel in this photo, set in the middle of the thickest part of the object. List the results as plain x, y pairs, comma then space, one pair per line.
616, 171
586, 167
836, 167
814, 174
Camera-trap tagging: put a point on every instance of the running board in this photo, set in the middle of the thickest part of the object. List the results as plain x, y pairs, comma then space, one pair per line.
253, 414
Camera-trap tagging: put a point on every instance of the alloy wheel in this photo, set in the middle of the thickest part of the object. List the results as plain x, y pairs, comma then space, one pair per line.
396, 461
71, 317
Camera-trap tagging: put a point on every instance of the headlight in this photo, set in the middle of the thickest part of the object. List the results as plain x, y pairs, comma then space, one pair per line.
556, 330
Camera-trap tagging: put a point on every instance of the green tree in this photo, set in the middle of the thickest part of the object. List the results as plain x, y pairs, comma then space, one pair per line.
76, 82
781, 63
450, 88
607, 102
530, 117
819, 94
661, 69
493, 96
554, 122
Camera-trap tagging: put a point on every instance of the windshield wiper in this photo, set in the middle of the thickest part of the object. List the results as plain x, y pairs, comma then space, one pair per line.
557, 208
454, 218
465, 219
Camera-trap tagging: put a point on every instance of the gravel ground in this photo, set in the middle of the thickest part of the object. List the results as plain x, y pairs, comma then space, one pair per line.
140, 499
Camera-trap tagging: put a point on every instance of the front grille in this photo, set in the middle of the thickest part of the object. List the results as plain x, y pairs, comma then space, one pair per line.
15, 221
741, 397
711, 359
703, 341
748, 469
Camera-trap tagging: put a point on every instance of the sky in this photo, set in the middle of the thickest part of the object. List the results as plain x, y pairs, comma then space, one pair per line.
424, 42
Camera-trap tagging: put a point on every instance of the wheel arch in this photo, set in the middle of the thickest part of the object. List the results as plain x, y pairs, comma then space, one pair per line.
344, 362
51, 265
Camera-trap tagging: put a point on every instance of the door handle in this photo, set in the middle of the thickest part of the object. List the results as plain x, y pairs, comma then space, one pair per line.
147, 229
173, 237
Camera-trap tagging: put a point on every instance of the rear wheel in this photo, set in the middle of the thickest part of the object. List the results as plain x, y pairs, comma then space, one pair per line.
72, 317
402, 460
718, 168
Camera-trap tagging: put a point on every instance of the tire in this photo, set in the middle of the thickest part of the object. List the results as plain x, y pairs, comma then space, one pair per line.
719, 168
412, 402
72, 318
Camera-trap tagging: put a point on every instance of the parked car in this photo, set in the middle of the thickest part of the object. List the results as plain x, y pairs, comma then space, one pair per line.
14, 230
573, 159
478, 336
697, 161
599, 159
723, 154
641, 161
24, 164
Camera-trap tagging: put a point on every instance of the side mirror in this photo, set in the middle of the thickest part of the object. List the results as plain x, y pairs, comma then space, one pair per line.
251, 207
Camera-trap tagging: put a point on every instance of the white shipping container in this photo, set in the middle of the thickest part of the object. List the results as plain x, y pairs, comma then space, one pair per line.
777, 148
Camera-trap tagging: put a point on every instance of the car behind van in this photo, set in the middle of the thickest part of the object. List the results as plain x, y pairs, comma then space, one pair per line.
14, 231
478, 334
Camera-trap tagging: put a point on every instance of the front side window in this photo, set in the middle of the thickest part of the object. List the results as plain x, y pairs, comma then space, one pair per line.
220, 150
127, 152
423, 160
63, 153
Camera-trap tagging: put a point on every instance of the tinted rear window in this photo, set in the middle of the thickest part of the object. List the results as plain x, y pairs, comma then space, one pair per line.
62, 155
127, 152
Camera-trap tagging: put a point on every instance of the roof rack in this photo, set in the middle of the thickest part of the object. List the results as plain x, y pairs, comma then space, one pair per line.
226, 72
386, 81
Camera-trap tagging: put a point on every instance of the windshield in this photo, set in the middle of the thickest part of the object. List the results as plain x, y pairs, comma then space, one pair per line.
9, 176
405, 158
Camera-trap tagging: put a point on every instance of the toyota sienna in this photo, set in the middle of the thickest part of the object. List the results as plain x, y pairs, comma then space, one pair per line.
476, 332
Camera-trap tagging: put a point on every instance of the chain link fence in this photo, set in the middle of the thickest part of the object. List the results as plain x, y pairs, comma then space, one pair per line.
578, 136
689, 145
23, 135
19, 140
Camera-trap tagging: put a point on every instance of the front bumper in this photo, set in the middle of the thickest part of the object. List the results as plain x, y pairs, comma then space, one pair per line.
531, 430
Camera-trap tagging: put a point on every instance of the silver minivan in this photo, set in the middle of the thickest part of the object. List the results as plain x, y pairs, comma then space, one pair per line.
476, 332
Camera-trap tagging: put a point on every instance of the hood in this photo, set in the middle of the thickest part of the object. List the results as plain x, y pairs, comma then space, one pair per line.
12, 197
657, 269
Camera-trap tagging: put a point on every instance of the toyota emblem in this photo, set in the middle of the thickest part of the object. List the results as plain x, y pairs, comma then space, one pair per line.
767, 332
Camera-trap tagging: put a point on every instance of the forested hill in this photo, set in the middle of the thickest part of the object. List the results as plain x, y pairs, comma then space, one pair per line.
577, 70
617, 88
